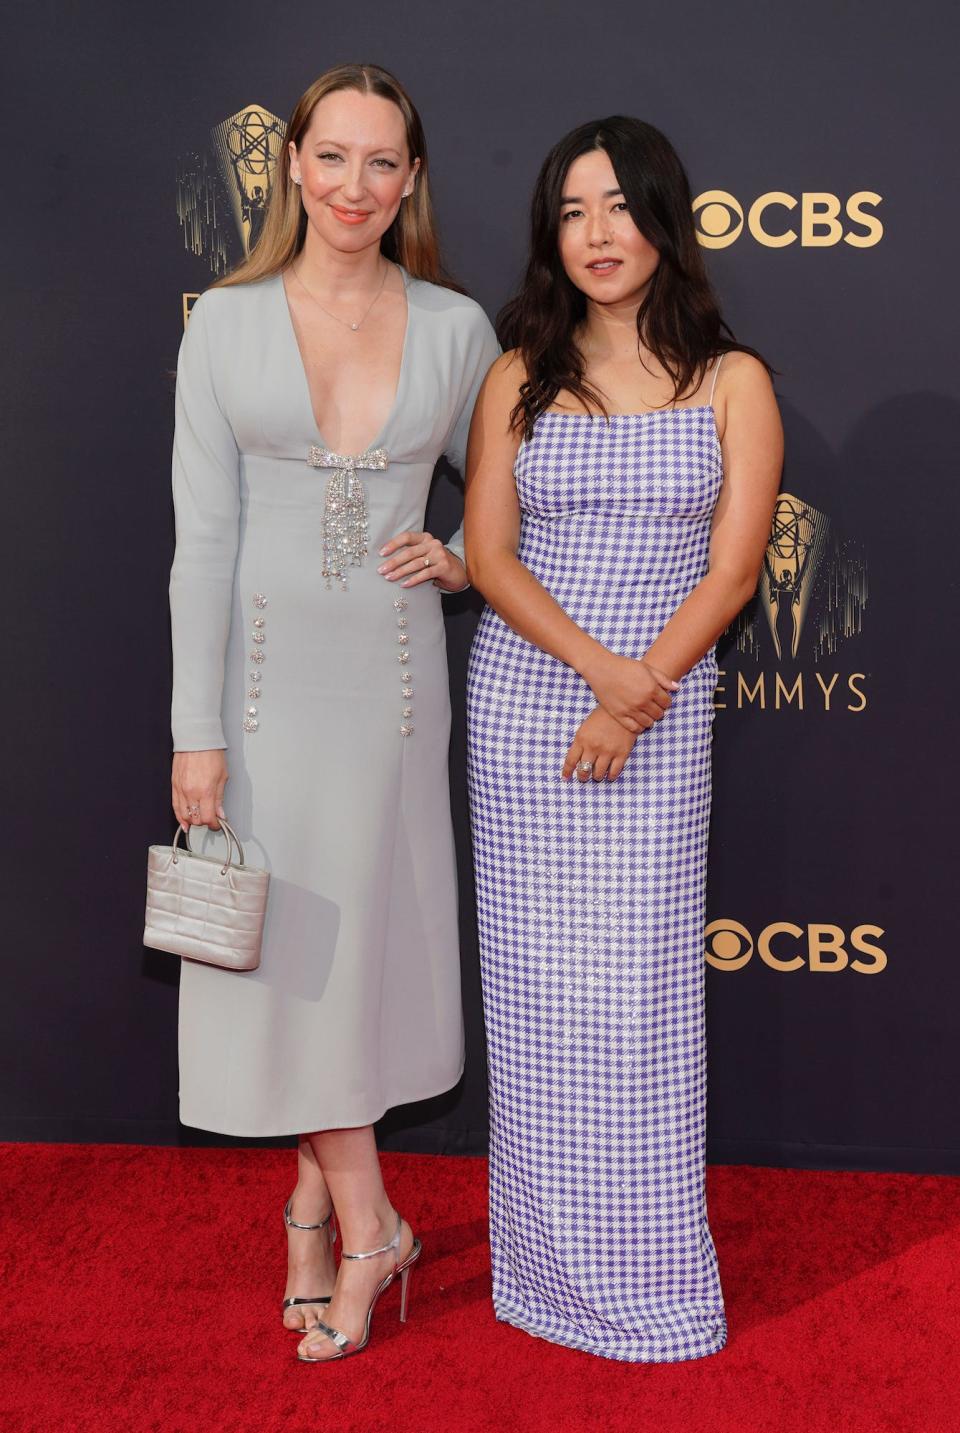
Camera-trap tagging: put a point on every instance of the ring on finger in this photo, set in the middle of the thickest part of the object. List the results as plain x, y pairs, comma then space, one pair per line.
427, 562
584, 768
193, 810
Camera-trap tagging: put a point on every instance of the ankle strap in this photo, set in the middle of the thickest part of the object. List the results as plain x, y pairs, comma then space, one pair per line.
372, 1253
292, 1223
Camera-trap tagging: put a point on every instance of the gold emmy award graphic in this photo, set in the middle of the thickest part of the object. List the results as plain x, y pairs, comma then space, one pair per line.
812, 593
222, 192
790, 565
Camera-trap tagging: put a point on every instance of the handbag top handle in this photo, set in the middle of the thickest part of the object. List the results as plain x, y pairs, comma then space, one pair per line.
231, 836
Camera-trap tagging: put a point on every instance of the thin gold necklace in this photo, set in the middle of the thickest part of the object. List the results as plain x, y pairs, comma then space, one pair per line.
353, 327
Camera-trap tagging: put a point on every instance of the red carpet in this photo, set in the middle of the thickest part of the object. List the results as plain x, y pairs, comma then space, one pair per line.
141, 1290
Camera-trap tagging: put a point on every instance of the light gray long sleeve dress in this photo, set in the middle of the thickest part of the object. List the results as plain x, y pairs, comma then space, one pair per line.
338, 780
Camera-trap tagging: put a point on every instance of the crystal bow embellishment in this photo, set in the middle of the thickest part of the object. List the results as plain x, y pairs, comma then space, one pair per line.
345, 508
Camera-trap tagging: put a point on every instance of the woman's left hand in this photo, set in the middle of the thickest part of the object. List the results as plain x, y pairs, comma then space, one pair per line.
415, 557
602, 745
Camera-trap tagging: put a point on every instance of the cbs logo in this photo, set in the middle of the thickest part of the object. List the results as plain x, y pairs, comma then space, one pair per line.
776, 219
785, 946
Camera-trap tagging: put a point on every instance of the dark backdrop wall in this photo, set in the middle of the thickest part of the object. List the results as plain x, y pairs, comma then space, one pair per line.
817, 140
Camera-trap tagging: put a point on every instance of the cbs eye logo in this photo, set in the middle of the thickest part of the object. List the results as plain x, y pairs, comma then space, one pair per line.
785, 946
776, 219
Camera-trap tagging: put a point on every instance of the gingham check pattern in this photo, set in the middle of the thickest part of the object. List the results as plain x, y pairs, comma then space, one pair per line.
591, 909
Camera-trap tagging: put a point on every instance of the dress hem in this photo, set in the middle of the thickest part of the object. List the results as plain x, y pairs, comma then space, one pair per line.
582, 1345
359, 1123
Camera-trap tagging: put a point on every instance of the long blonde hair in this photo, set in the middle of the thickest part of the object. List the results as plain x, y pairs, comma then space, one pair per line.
411, 239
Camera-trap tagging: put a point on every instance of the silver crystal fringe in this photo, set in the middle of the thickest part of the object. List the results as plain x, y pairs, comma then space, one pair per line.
345, 509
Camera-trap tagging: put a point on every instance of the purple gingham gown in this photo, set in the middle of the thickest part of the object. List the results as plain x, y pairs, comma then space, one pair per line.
591, 908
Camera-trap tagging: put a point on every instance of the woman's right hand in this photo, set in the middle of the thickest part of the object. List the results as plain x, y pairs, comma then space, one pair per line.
634, 693
198, 781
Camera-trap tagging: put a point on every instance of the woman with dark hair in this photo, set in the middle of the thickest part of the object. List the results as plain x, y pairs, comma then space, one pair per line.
316, 389
619, 495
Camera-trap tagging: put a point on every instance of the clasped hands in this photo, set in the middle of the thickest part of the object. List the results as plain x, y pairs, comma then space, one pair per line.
632, 696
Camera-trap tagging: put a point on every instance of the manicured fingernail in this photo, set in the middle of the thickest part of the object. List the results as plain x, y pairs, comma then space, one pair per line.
383, 552
383, 566
675, 686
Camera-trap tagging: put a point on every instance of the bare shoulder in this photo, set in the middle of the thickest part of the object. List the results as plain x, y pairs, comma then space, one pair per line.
505, 377
743, 376
494, 435
747, 412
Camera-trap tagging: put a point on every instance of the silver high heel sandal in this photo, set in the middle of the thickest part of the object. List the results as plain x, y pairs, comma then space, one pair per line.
292, 1224
346, 1346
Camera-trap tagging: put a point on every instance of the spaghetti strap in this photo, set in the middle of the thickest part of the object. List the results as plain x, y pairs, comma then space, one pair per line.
716, 371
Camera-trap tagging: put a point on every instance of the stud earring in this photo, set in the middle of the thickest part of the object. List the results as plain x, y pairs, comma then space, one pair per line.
296, 181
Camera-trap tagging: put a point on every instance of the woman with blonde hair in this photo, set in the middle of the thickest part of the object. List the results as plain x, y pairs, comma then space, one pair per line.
317, 387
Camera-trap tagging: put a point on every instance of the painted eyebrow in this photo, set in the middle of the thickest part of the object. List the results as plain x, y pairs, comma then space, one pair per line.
607, 194
377, 149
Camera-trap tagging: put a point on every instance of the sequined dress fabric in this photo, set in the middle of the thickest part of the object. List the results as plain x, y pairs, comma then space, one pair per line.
591, 908
328, 687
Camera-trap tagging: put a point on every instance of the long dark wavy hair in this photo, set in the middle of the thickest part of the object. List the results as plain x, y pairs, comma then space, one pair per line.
679, 320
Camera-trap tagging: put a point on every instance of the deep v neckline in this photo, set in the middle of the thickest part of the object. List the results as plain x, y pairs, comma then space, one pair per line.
379, 440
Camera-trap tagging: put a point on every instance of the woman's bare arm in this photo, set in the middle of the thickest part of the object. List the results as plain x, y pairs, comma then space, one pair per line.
752, 444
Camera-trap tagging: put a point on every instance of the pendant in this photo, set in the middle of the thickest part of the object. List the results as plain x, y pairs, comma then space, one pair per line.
354, 326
